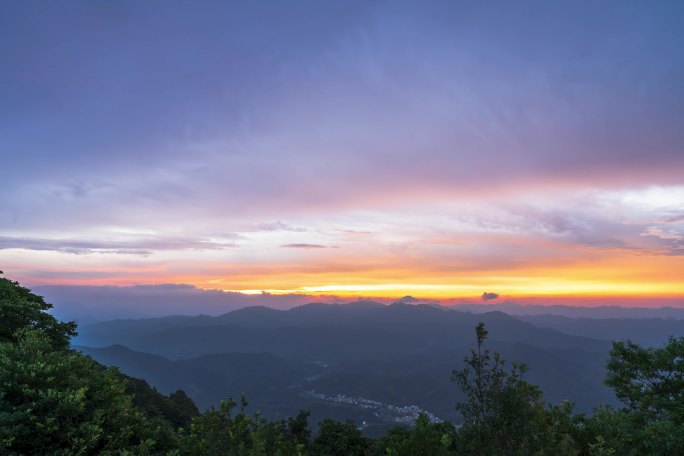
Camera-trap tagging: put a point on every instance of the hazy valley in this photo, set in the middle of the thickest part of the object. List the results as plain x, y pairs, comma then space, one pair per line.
364, 361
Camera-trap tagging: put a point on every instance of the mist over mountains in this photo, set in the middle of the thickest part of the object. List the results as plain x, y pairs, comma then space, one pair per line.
377, 364
86, 304
594, 312
89, 304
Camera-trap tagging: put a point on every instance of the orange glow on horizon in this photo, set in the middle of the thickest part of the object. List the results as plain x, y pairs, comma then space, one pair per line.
643, 278
431, 265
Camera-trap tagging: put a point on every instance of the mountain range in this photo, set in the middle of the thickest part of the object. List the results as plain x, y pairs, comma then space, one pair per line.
370, 362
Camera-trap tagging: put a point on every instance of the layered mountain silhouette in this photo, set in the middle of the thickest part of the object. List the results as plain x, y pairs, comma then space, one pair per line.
364, 360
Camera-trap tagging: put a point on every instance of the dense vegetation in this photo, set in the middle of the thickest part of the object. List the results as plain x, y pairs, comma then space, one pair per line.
57, 401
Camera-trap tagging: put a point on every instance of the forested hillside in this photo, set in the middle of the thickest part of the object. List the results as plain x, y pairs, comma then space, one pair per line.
372, 363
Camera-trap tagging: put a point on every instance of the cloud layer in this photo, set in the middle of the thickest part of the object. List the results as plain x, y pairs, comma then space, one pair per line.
441, 148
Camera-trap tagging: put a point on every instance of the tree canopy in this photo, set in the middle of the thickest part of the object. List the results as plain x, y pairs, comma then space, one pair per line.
20, 309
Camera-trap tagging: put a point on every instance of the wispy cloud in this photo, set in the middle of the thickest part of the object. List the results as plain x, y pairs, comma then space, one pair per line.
144, 246
275, 226
305, 246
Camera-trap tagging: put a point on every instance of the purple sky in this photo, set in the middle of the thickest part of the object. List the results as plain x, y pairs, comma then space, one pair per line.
380, 147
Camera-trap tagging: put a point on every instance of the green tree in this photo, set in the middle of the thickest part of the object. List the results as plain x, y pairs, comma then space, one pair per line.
298, 428
178, 409
392, 443
20, 308
650, 382
63, 403
335, 438
223, 431
218, 432
424, 439
281, 438
56, 401
502, 413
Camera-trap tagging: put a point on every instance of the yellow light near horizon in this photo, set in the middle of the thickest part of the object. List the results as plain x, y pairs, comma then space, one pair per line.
530, 287
566, 271
599, 274
386, 288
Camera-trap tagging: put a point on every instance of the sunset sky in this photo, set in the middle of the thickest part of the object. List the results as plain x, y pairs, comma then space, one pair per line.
372, 148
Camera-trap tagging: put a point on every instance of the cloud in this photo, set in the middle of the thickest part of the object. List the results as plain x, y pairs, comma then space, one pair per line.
144, 246
671, 235
414, 100
351, 119
487, 296
276, 226
305, 246
674, 219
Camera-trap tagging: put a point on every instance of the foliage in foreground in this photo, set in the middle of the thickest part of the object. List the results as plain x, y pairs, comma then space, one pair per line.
56, 401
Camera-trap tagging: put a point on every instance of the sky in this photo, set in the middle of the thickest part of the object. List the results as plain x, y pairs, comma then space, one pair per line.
533, 150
